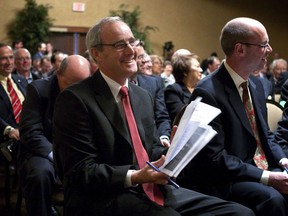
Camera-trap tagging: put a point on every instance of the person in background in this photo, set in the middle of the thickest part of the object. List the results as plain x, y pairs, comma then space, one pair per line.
23, 65
56, 59
94, 148
46, 66
154, 85
93, 64
36, 67
41, 50
49, 49
241, 163
157, 64
187, 73
167, 73
144, 63
17, 44
267, 85
279, 72
12, 95
36, 164
213, 63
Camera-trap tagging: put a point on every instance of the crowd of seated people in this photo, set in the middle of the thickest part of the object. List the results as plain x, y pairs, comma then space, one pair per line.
171, 84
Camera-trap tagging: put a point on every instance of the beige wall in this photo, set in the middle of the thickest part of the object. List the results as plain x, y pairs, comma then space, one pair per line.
191, 24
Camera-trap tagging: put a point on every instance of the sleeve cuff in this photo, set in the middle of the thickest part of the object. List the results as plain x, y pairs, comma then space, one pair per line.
128, 182
265, 177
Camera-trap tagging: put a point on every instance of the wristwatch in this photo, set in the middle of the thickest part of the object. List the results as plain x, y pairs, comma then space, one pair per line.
8, 130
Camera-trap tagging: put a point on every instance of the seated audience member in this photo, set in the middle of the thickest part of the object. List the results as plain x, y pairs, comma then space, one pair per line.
279, 74
17, 44
93, 64
157, 64
281, 133
213, 64
23, 65
284, 93
46, 66
267, 85
37, 173
241, 163
102, 174
41, 51
167, 74
144, 63
187, 73
12, 95
56, 59
49, 49
154, 86
36, 67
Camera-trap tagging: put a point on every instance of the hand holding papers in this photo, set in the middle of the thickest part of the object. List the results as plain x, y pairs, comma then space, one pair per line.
192, 134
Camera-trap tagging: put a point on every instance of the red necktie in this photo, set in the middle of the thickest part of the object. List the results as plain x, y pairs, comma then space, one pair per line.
151, 190
15, 101
259, 156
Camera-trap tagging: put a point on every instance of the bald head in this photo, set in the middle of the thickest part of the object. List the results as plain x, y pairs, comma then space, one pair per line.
72, 69
241, 29
180, 52
23, 61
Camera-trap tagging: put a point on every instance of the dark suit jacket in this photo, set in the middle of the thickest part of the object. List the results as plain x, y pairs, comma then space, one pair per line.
92, 143
34, 75
229, 156
268, 88
36, 117
176, 96
278, 85
6, 113
281, 133
155, 88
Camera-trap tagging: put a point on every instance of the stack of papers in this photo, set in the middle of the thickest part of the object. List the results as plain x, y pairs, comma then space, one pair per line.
192, 134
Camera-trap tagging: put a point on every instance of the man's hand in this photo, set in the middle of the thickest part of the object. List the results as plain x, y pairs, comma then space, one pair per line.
14, 134
149, 175
279, 181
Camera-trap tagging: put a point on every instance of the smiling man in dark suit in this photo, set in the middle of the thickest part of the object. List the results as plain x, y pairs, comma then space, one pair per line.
94, 148
226, 167
8, 120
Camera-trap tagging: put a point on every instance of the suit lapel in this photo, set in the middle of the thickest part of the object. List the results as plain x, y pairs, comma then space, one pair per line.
108, 105
256, 104
21, 83
5, 97
236, 102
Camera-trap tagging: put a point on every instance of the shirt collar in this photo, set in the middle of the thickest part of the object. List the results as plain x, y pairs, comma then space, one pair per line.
114, 86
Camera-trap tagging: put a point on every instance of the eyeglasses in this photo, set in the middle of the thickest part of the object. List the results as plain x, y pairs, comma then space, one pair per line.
120, 45
259, 45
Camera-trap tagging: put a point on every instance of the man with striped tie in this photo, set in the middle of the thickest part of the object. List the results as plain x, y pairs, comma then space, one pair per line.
12, 93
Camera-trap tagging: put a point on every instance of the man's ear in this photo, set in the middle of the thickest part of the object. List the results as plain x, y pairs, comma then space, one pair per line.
240, 49
94, 54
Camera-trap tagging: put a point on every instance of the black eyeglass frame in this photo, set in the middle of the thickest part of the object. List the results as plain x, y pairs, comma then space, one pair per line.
119, 45
259, 45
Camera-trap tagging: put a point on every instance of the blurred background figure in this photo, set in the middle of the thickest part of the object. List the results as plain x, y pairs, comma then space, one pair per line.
93, 64
17, 44
187, 73
46, 66
41, 47
157, 64
167, 73
23, 65
279, 73
49, 49
213, 63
